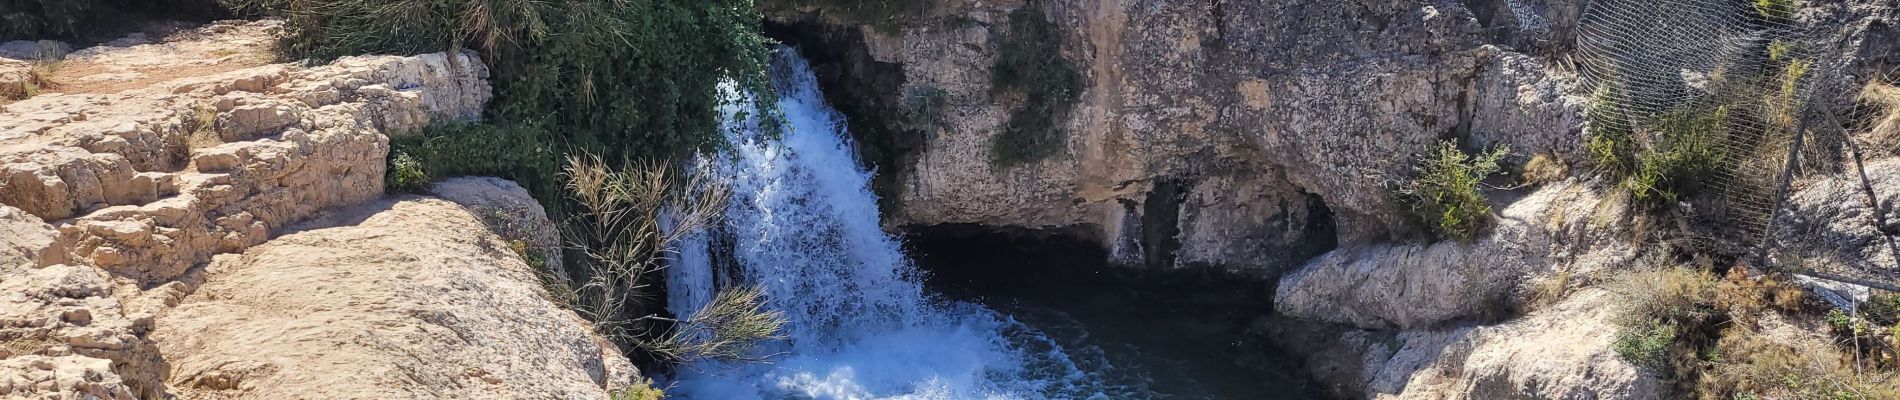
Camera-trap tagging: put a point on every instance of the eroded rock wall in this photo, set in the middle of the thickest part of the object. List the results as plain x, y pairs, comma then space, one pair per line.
1281, 122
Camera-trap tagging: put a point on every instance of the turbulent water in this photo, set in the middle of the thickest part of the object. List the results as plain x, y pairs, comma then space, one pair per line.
803, 224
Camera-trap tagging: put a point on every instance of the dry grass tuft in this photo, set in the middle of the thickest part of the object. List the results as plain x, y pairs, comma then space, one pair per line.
1544, 168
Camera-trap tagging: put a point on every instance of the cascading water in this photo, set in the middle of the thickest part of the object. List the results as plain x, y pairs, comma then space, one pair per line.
805, 228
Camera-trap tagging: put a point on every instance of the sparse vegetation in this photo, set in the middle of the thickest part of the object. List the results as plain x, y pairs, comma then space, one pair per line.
1714, 338
1777, 10
38, 77
203, 126
1030, 70
1612, 141
728, 328
1446, 192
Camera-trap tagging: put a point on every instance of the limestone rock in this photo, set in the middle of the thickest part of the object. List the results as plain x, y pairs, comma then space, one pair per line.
115, 193
508, 211
1829, 226
1261, 110
148, 181
1563, 352
412, 298
1564, 226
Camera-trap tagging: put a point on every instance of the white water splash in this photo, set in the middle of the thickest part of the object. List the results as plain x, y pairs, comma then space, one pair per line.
805, 227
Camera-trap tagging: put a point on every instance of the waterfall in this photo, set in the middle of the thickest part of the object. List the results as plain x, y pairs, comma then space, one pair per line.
805, 227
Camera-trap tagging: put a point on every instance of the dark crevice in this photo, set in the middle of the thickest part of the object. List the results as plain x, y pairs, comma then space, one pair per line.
1161, 223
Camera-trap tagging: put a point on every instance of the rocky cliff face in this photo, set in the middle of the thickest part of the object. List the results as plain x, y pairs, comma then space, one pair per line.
1252, 134
139, 162
1262, 137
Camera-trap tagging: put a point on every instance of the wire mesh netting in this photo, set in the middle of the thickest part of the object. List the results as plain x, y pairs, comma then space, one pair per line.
1712, 100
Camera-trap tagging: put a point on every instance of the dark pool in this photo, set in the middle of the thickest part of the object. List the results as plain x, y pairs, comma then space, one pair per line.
1177, 335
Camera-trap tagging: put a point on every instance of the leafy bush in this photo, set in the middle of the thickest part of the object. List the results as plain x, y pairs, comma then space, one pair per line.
1446, 193
625, 80
1883, 307
451, 149
405, 174
1029, 66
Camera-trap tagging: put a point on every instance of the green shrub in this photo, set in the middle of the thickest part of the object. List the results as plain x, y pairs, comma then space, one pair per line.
1446, 193
626, 80
1030, 66
1612, 141
520, 153
1657, 308
405, 174
1646, 345
1777, 9
643, 390
1690, 151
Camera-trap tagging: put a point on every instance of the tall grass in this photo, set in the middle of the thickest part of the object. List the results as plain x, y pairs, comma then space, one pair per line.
617, 231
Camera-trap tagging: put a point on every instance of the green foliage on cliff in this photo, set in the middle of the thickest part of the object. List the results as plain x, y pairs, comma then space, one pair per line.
67, 19
1446, 193
1030, 68
522, 154
624, 79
